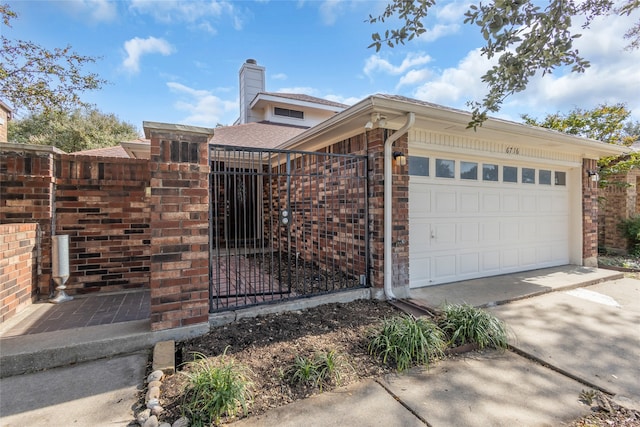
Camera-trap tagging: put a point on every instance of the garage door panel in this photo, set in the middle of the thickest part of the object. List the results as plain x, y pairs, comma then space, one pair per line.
545, 203
469, 233
509, 231
544, 254
469, 263
509, 259
490, 232
469, 202
444, 202
527, 256
510, 203
491, 202
491, 261
528, 203
443, 235
444, 267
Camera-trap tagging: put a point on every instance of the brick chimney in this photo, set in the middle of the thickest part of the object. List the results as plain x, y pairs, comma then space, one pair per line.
251, 83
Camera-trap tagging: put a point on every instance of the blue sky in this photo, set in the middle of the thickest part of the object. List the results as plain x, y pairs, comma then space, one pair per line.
178, 61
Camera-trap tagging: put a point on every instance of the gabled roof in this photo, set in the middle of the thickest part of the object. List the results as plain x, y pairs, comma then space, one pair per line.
255, 135
305, 98
115, 151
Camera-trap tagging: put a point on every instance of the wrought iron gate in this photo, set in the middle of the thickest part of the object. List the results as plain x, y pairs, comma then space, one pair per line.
285, 224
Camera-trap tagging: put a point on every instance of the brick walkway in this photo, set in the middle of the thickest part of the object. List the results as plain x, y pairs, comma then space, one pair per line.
84, 311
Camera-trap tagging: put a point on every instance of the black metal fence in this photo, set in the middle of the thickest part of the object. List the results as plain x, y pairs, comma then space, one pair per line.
285, 224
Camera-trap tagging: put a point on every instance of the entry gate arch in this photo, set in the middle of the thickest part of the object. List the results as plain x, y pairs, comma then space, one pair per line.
285, 224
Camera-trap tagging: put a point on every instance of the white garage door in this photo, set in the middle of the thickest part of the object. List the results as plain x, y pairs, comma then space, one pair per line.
472, 219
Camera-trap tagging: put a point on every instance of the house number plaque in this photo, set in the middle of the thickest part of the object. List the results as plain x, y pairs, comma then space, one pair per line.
512, 150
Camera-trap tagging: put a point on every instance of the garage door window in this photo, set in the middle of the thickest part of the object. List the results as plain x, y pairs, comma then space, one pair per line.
544, 177
418, 166
561, 178
468, 170
489, 172
510, 174
528, 176
445, 168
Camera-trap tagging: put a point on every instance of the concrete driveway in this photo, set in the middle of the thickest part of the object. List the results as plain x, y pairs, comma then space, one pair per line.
591, 333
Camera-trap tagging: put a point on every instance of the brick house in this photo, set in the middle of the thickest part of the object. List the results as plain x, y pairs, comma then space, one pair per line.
5, 117
391, 193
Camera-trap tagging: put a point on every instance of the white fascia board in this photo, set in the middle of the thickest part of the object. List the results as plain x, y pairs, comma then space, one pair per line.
261, 100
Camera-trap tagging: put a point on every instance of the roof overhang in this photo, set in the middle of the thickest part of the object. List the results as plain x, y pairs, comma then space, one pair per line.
137, 149
435, 118
262, 100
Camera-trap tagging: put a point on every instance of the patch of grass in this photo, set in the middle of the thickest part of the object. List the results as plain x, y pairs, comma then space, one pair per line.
216, 388
406, 341
465, 324
317, 371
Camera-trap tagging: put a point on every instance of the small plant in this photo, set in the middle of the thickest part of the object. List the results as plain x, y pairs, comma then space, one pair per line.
405, 341
317, 371
216, 388
465, 324
631, 230
587, 396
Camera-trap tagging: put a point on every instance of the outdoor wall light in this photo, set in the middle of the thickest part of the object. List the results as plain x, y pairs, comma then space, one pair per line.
593, 174
400, 158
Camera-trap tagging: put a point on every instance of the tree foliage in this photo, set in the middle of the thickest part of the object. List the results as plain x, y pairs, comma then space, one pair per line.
527, 37
606, 123
81, 129
37, 79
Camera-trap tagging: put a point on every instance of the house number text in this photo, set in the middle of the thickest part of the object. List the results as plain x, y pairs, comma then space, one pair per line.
512, 150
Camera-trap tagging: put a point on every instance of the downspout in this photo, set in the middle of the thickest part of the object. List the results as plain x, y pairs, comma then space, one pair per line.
388, 205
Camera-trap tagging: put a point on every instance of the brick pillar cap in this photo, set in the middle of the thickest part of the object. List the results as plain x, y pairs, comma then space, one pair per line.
149, 127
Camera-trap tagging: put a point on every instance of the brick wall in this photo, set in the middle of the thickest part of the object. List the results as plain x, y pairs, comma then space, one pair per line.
18, 266
26, 196
101, 203
619, 202
589, 215
179, 276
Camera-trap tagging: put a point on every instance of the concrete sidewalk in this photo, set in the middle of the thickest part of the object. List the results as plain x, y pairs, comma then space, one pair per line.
480, 389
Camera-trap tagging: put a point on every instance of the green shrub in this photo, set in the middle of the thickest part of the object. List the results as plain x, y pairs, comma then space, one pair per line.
631, 230
317, 371
465, 324
405, 341
216, 388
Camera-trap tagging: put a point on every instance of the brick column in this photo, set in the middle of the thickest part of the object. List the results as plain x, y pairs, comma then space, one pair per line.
400, 233
179, 271
589, 215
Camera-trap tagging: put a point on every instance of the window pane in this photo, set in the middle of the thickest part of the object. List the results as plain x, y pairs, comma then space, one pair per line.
561, 178
510, 174
528, 176
445, 168
490, 172
468, 170
418, 166
544, 177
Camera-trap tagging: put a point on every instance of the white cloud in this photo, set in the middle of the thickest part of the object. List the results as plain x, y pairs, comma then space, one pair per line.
300, 89
344, 100
377, 64
279, 76
195, 13
455, 86
97, 10
203, 108
137, 47
329, 11
414, 77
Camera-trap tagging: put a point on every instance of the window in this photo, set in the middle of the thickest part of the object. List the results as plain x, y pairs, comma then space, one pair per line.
468, 170
544, 177
510, 174
288, 113
489, 172
528, 176
418, 166
445, 168
561, 178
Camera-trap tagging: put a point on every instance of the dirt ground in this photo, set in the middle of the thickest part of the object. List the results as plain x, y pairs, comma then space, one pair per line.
268, 346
